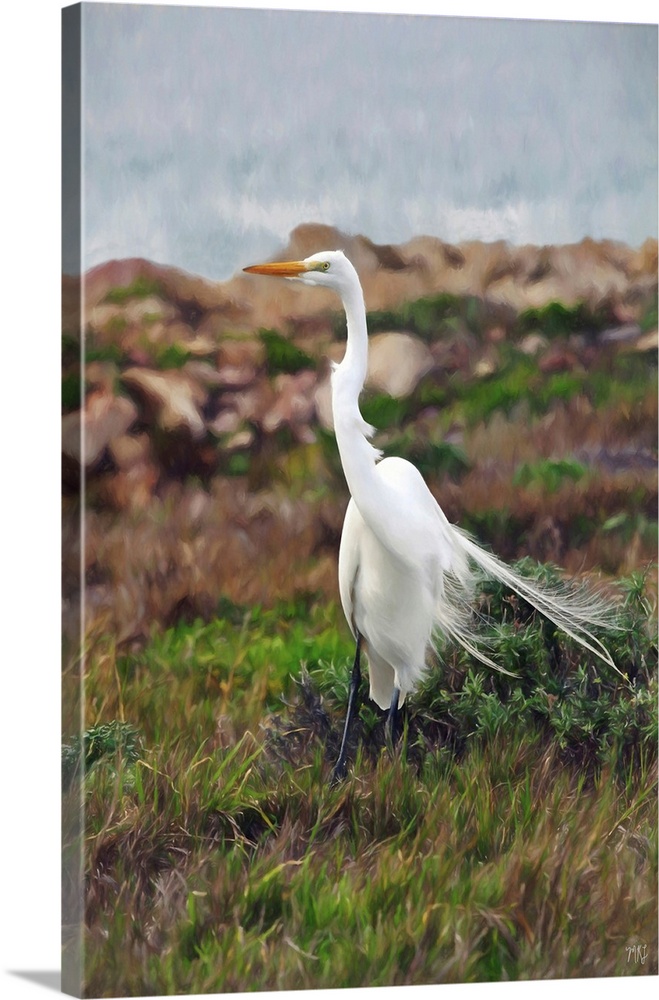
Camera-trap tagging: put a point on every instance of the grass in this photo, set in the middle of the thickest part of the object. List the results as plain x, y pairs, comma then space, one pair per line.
512, 836
455, 875
516, 383
519, 382
549, 474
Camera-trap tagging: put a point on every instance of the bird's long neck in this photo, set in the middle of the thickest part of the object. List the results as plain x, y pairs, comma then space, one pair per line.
355, 360
358, 456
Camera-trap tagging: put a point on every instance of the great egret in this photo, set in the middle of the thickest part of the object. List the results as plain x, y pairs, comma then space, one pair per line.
405, 572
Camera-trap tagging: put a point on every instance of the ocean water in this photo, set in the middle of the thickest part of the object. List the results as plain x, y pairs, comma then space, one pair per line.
209, 134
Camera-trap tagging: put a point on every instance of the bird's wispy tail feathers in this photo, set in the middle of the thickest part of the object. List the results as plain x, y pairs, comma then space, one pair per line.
576, 610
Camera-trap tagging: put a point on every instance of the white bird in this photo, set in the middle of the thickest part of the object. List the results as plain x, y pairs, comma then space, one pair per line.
405, 573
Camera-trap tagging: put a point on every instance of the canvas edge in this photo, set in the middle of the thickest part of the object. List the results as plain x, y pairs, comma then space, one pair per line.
72, 816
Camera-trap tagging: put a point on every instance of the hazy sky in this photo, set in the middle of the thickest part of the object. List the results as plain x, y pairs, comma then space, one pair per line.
210, 134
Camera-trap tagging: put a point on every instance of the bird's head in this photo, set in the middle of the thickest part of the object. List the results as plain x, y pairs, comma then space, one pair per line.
329, 268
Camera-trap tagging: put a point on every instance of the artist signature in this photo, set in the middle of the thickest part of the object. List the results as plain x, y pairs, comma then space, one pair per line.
637, 953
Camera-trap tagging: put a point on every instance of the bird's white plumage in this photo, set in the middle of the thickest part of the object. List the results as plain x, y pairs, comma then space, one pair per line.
405, 573
390, 591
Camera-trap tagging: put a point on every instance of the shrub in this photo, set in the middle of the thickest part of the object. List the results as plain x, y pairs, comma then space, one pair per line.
140, 288
282, 356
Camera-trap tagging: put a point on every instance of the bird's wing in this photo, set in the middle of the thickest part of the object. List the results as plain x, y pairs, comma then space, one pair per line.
349, 553
413, 526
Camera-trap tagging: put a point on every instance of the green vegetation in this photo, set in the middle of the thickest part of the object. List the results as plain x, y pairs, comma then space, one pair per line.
140, 288
220, 859
549, 474
433, 459
629, 523
558, 320
102, 352
71, 391
238, 464
282, 356
116, 325
435, 315
517, 382
649, 319
171, 356
428, 317
113, 742
514, 833
384, 411
70, 350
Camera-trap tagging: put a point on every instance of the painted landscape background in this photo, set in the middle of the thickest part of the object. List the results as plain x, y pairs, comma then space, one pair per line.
515, 834
520, 380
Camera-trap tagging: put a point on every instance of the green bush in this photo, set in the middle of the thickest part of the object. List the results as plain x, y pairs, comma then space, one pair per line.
140, 288
433, 459
558, 320
282, 356
384, 411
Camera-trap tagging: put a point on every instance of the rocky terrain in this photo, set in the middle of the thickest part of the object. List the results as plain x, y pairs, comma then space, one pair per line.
521, 380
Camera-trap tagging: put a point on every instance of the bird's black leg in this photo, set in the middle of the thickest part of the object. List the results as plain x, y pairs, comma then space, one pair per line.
392, 719
340, 769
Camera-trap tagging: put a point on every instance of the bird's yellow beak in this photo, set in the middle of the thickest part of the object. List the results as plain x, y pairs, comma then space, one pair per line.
279, 268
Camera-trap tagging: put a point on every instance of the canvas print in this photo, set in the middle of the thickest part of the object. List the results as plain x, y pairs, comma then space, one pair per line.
359, 500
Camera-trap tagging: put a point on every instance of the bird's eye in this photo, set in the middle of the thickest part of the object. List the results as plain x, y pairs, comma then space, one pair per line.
326, 265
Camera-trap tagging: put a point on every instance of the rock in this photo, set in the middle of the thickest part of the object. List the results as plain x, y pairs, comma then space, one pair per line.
558, 359
226, 422
236, 377
175, 397
103, 418
230, 377
149, 309
200, 345
648, 342
323, 402
520, 277
239, 441
132, 487
239, 352
495, 334
130, 449
646, 260
178, 332
187, 291
396, 363
621, 334
252, 404
203, 372
293, 406
101, 375
106, 317
532, 344
486, 365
